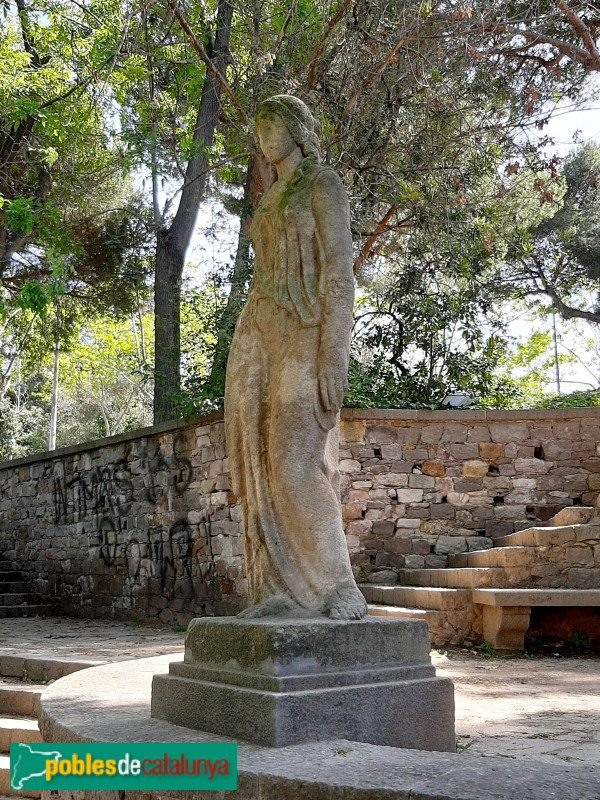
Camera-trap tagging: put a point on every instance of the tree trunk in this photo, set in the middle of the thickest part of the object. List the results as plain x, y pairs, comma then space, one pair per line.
254, 186
172, 243
54, 397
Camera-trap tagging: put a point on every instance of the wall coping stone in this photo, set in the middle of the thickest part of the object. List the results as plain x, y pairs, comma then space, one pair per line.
467, 416
127, 436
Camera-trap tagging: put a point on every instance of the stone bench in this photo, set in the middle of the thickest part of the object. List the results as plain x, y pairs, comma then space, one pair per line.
506, 612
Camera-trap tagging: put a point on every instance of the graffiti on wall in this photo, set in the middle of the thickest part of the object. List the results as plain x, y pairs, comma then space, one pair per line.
109, 490
119, 505
160, 554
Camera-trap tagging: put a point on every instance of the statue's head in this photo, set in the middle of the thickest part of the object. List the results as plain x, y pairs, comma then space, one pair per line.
296, 116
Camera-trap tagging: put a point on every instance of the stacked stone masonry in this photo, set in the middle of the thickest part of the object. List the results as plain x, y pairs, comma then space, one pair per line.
145, 525
419, 487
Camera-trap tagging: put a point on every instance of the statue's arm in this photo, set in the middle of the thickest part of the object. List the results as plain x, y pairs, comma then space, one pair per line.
332, 218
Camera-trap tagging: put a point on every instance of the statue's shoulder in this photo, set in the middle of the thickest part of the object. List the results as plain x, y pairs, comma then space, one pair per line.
325, 179
324, 174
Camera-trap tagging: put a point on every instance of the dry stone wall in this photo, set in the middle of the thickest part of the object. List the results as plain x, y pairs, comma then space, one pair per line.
419, 486
145, 525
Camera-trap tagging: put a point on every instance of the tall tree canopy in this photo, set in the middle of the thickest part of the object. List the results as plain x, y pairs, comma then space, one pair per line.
431, 111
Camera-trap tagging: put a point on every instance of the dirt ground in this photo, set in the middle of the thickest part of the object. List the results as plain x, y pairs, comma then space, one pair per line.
547, 709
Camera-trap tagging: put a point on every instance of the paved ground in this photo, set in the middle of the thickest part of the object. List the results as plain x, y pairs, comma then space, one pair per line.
545, 709
57, 637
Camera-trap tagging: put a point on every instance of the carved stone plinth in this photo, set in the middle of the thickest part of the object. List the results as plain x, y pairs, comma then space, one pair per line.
281, 682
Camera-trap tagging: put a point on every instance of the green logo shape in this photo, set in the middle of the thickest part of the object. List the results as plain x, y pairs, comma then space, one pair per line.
50, 767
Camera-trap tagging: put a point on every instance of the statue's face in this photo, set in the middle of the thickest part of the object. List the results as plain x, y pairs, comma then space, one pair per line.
275, 140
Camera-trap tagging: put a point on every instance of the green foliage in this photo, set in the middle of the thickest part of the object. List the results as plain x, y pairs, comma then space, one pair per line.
200, 315
557, 255
577, 223
19, 215
22, 427
419, 111
578, 642
105, 378
35, 297
62, 184
572, 400
462, 747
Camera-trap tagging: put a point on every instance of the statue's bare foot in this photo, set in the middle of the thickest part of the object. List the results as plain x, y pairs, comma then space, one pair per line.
276, 606
346, 602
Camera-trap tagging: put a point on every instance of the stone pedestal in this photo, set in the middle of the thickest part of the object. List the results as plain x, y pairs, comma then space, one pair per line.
280, 682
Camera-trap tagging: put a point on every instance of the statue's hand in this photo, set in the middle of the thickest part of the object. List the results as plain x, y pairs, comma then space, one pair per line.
332, 372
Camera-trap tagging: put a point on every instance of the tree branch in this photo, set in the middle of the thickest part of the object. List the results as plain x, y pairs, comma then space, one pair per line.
197, 46
311, 76
366, 248
583, 31
569, 312
577, 54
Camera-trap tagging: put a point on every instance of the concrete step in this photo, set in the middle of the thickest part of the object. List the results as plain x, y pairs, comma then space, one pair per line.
19, 698
572, 515
496, 557
5, 780
545, 537
20, 599
18, 730
419, 597
395, 612
465, 578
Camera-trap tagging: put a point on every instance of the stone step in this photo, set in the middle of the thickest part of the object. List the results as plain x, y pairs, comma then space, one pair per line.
545, 537
465, 578
11, 574
18, 730
572, 515
6, 565
7, 587
25, 611
418, 597
396, 612
582, 598
19, 698
20, 599
5, 781
496, 557
31, 668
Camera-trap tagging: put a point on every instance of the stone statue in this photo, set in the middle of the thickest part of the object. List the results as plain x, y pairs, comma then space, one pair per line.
287, 375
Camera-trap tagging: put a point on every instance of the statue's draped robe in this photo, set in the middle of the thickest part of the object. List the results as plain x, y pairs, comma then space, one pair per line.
282, 446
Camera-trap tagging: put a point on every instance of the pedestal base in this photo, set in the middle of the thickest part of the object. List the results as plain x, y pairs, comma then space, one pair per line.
283, 682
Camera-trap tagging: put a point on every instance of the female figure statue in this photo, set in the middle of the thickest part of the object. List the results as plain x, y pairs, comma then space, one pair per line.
287, 377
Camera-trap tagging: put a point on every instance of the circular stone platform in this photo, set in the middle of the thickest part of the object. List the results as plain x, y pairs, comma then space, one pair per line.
111, 703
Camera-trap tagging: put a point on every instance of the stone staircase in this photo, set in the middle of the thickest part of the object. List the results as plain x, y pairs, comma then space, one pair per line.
17, 598
19, 700
558, 564
18, 724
